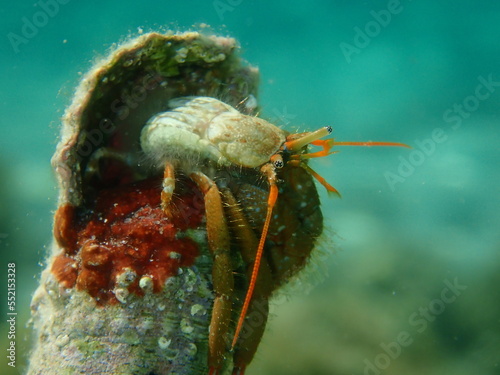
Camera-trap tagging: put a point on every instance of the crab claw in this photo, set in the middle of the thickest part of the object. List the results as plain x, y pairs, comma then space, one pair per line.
296, 144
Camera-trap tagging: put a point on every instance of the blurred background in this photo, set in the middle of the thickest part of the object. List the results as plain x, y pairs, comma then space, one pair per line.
407, 277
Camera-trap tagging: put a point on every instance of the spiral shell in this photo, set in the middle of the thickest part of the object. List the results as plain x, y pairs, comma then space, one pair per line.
158, 332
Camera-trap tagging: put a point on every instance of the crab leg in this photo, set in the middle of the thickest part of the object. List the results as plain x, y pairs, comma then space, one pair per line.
329, 188
252, 330
267, 170
222, 272
168, 186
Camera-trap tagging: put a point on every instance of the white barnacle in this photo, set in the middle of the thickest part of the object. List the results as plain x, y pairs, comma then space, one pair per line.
190, 279
147, 323
174, 255
191, 349
146, 284
121, 294
164, 343
198, 309
179, 294
125, 278
186, 327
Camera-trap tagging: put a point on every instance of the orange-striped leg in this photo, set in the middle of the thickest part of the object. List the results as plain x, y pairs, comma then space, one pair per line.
222, 270
168, 187
255, 322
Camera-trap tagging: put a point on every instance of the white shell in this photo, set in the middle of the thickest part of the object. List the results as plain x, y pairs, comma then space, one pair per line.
206, 128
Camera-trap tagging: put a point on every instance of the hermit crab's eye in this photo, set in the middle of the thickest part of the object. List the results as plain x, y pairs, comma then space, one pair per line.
329, 129
277, 161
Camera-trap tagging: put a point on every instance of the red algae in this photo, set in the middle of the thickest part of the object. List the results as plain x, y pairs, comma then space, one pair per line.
126, 231
65, 231
64, 268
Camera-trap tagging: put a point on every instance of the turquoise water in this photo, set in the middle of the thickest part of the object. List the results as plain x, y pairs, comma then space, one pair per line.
410, 223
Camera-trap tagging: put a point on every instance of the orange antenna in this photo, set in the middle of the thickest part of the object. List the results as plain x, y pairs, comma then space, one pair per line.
371, 143
313, 138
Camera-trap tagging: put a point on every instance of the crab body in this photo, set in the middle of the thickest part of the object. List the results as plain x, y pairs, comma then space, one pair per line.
206, 129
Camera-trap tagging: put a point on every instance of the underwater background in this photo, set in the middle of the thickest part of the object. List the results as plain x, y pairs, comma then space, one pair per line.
406, 279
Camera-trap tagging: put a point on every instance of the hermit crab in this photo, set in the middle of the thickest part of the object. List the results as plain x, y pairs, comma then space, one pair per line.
202, 137
180, 213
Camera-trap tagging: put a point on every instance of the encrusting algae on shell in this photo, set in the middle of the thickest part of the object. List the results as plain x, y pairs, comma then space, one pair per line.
128, 290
